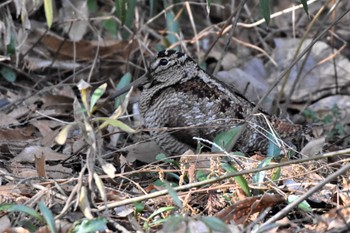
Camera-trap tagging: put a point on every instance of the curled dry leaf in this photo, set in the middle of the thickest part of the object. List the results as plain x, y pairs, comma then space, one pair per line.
84, 203
100, 186
109, 169
313, 147
240, 211
63, 134
28, 154
85, 50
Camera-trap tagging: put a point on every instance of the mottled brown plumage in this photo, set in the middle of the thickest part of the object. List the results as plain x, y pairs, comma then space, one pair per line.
180, 94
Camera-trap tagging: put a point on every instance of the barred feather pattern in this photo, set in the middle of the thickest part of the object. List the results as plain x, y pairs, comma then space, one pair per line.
179, 94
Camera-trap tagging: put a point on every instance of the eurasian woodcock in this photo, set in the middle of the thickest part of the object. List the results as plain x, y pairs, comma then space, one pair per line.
183, 98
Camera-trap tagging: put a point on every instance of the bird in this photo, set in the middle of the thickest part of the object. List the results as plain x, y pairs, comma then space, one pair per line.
180, 101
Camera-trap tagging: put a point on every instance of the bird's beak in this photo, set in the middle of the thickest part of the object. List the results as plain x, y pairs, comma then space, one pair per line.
137, 83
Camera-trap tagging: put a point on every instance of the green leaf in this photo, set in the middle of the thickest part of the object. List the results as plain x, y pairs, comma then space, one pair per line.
8, 74
276, 174
111, 26
159, 221
272, 149
97, 95
215, 224
120, 10
11, 47
328, 119
29, 225
92, 5
305, 6
124, 81
21, 208
259, 177
153, 4
93, 225
307, 113
159, 47
203, 64
239, 179
339, 127
208, 6
225, 139
139, 207
115, 123
172, 27
162, 157
160, 183
303, 205
130, 13
48, 216
265, 10
161, 210
48, 12
200, 175
174, 195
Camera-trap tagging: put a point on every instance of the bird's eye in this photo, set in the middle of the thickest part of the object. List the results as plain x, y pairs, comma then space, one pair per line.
163, 62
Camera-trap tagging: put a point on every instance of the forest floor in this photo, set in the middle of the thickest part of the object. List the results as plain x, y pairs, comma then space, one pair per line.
75, 158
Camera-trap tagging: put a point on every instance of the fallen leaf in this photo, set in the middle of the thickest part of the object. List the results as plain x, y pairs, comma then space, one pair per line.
240, 211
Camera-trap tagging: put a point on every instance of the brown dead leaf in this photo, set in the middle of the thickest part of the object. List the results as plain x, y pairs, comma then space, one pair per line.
9, 193
124, 211
144, 151
73, 15
49, 139
252, 87
281, 226
344, 195
29, 153
40, 165
19, 165
215, 202
241, 211
43, 126
6, 120
150, 188
85, 50
12, 136
313, 148
16, 230
23, 171
332, 220
78, 145
19, 112
58, 171
58, 101
66, 91
315, 75
26, 107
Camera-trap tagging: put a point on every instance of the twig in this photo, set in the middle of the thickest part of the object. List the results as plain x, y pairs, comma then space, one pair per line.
303, 197
217, 179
